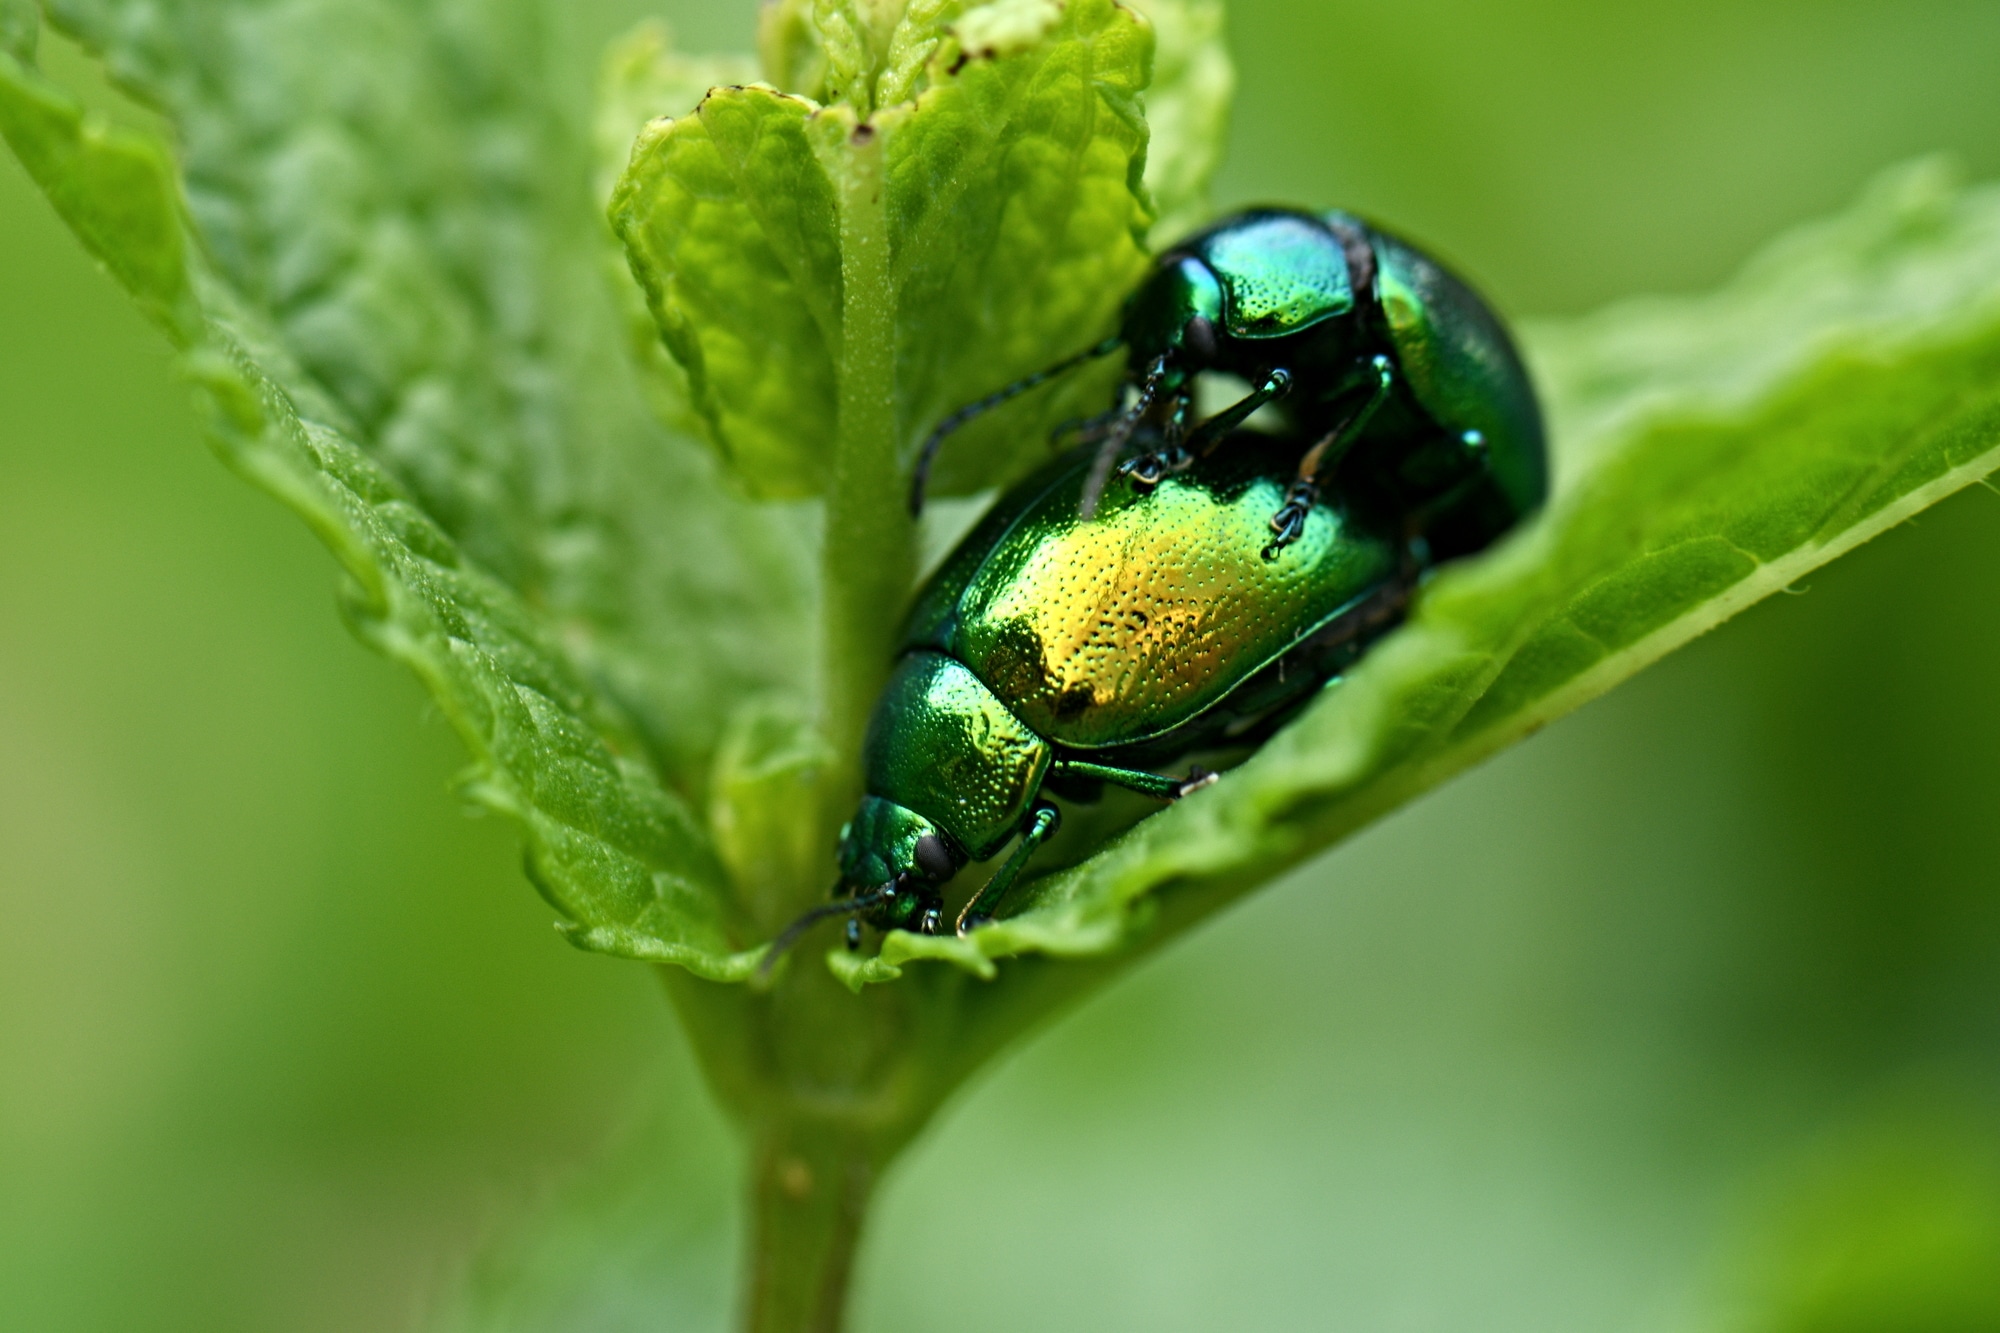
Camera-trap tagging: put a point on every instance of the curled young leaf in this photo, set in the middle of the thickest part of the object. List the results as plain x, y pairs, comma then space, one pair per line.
1014, 215
1187, 111
738, 253
644, 76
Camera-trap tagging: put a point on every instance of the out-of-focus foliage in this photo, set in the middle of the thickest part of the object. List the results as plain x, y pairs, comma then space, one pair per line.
1681, 932
1187, 110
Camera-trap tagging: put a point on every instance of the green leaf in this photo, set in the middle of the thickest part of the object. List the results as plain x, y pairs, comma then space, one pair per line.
114, 188
643, 76
1014, 213
1187, 111
1708, 453
771, 766
20, 26
393, 321
731, 226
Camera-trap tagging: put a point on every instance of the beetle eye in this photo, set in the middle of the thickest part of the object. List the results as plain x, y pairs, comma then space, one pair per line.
933, 858
1200, 337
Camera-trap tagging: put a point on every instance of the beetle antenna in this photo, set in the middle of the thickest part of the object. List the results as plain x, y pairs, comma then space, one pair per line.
790, 935
921, 479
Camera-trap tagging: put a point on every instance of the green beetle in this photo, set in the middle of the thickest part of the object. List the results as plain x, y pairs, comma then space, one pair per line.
1056, 653
1089, 633
1388, 369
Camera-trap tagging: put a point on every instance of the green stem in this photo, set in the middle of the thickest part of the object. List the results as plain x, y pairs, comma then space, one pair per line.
812, 1175
809, 1190
869, 556
828, 1087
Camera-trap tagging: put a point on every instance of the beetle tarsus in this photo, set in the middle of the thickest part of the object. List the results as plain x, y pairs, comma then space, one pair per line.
1149, 469
1197, 779
1289, 523
1039, 827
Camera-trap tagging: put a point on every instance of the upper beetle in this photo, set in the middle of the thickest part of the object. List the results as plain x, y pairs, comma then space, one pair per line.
1387, 367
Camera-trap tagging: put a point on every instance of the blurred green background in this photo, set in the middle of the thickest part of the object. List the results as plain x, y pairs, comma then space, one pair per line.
1683, 1015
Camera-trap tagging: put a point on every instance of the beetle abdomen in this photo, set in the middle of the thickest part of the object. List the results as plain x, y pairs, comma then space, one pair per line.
1111, 632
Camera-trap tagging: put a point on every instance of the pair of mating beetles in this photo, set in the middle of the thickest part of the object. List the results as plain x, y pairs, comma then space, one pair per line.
1095, 627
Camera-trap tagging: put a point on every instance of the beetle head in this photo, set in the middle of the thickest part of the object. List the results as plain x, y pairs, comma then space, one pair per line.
894, 851
1176, 314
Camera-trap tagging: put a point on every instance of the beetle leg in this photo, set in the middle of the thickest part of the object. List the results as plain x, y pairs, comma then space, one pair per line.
1157, 785
1121, 431
1214, 430
1289, 523
1041, 825
1149, 469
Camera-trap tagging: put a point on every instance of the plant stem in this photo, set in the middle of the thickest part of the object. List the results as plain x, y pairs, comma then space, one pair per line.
812, 1176
869, 557
809, 1190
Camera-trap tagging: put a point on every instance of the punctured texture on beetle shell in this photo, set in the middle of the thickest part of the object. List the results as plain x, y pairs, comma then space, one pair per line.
1106, 633
943, 746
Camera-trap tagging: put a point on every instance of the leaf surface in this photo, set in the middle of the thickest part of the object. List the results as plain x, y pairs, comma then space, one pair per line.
391, 310
1187, 111
1015, 217
645, 76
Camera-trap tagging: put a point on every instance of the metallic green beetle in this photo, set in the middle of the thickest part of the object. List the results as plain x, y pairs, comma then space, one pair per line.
1056, 652
1388, 369
1090, 631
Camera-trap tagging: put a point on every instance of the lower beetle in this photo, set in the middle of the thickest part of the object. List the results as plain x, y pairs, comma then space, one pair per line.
1057, 654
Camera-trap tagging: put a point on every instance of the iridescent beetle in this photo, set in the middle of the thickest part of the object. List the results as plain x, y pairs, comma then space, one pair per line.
1389, 369
1094, 628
